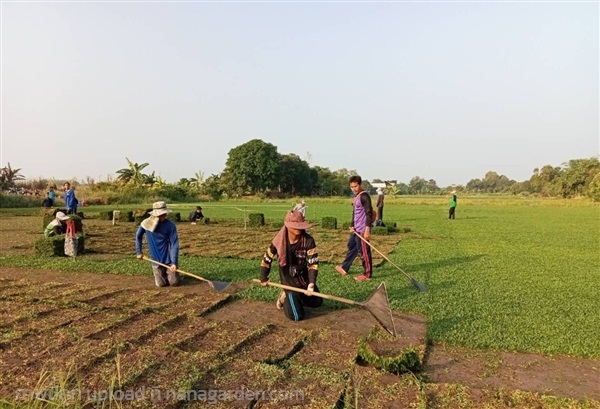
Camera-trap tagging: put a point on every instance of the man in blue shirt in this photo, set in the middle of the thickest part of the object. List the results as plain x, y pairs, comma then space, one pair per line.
163, 244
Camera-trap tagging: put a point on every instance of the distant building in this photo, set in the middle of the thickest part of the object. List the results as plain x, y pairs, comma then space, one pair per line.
383, 185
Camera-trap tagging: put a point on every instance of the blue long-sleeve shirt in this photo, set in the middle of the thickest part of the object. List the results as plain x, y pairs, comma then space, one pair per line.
163, 242
70, 200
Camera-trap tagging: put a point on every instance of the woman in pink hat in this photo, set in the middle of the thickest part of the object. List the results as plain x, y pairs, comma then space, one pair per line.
298, 260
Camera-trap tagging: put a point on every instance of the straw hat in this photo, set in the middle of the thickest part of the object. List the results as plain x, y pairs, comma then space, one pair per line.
62, 217
295, 220
159, 208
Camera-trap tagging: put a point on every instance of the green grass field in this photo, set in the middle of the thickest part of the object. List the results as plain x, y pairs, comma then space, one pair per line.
507, 274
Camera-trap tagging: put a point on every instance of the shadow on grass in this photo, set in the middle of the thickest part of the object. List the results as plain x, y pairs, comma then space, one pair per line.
428, 267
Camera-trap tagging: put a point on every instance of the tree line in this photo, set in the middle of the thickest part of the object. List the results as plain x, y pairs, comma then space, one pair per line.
257, 168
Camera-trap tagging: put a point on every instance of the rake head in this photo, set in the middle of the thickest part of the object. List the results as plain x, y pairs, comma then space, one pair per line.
378, 305
219, 286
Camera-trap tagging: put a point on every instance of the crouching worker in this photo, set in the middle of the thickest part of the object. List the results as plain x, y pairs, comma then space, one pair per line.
298, 260
57, 226
163, 244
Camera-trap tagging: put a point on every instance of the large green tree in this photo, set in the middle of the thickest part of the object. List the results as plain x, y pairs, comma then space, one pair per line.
253, 167
577, 176
297, 177
546, 181
417, 186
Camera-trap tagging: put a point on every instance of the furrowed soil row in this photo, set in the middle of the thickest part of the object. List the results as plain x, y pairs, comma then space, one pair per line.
8, 286
193, 358
63, 337
115, 298
79, 357
318, 366
154, 351
255, 366
13, 312
47, 321
31, 288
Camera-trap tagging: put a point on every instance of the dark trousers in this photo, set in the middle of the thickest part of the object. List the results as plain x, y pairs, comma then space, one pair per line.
355, 247
294, 304
380, 213
451, 213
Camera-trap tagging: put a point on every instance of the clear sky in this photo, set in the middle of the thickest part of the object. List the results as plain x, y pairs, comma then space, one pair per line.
440, 90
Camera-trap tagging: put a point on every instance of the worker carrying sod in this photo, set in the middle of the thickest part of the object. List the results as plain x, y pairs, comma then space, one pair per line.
298, 260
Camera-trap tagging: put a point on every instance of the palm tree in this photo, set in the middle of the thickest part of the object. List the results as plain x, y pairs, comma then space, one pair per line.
197, 180
133, 174
8, 177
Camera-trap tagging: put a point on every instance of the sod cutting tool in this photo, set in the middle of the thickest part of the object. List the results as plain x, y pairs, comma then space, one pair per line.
218, 286
377, 304
414, 282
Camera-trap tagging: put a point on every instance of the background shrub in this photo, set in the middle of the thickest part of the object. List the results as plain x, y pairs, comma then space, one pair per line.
174, 217
256, 219
141, 214
107, 215
379, 230
8, 200
329, 223
125, 216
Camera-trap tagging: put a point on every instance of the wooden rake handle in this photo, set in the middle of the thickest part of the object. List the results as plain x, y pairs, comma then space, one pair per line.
179, 271
310, 293
374, 248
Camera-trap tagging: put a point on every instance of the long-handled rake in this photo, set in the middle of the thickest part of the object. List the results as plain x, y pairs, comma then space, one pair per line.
414, 282
377, 304
218, 286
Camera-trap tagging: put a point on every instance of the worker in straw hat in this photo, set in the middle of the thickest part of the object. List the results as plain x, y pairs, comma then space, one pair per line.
163, 244
298, 260
57, 225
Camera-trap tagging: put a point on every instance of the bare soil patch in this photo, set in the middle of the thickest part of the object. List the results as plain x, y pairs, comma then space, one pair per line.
90, 332
225, 238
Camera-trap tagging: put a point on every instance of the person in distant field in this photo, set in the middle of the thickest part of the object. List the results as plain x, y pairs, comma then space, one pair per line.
298, 260
52, 194
47, 202
362, 219
452, 210
70, 199
379, 221
57, 226
163, 244
301, 207
196, 216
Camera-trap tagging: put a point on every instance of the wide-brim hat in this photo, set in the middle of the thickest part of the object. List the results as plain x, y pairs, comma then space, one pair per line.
62, 217
295, 220
159, 208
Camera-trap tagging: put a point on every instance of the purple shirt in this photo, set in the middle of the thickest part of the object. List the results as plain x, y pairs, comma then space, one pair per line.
362, 215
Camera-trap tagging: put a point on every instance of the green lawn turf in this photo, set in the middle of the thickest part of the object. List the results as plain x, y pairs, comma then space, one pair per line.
507, 274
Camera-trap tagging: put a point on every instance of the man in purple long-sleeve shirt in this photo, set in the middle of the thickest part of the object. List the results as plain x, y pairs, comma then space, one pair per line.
163, 244
362, 219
